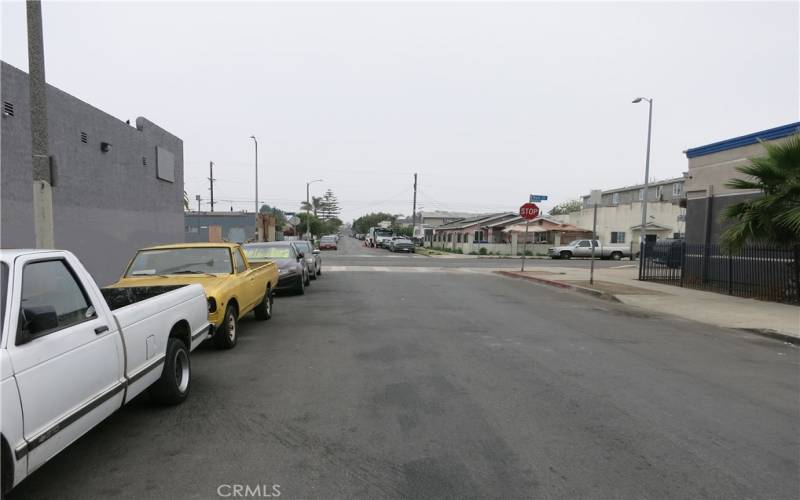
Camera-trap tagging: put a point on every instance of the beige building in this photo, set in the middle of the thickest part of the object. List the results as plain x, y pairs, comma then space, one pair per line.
710, 168
619, 215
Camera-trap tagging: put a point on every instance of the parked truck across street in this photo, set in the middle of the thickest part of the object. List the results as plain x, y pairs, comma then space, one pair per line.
72, 354
583, 248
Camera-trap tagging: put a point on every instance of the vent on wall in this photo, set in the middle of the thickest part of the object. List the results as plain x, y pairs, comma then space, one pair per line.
8, 108
84, 138
144, 161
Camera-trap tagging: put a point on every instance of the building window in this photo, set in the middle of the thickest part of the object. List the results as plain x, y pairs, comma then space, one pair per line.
660, 192
617, 237
84, 137
449, 237
677, 189
478, 236
540, 237
458, 238
8, 108
641, 194
615, 199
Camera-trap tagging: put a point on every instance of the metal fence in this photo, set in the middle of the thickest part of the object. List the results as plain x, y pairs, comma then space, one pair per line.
757, 271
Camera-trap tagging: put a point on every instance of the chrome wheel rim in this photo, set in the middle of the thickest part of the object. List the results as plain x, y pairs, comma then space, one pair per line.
269, 302
181, 363
231, 326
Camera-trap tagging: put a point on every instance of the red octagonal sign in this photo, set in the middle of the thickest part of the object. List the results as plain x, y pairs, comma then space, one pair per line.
529, 211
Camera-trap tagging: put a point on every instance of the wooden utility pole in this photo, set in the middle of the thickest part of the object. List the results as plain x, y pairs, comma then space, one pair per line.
211, 182
414, 208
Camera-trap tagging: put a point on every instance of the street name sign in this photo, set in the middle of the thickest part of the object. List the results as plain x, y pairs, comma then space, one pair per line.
535, 198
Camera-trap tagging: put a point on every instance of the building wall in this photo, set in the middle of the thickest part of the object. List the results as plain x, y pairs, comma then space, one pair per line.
621, 218
236, 227
105, 205
661, 191
706, 191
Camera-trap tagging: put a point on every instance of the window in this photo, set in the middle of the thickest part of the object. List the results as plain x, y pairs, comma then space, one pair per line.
641, 194
478, 236
51, 285
660, 193
458, 238
584, 244
8, 108
617, 237
615, 199
677, 189
238, 262
540, 237
449, 237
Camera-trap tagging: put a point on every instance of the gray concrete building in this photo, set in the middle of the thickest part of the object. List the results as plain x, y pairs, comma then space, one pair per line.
710, 168
117, 187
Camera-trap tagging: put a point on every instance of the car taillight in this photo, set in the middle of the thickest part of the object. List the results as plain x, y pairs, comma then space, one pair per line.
212, 304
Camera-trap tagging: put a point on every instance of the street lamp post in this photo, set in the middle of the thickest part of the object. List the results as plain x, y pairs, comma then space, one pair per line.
642, 230
308, 208
255, 141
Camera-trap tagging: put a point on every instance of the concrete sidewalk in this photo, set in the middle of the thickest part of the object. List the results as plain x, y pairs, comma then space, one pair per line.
705, 307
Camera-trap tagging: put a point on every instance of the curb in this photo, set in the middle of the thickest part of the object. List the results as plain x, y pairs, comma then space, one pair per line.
773, 334
560, 284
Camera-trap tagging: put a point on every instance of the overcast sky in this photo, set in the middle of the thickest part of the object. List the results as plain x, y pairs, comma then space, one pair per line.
487, 102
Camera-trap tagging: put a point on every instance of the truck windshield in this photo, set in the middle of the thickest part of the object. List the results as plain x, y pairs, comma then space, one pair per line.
383, 232
181, 261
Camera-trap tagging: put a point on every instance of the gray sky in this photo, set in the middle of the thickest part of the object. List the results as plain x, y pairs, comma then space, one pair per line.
487, 102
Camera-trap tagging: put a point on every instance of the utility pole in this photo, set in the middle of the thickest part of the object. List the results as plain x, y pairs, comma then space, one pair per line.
42, 181
643, 231
211, 182
414, 209
255, 213
198, 202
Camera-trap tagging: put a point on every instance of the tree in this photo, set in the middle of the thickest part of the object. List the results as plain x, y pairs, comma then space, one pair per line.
185, 200
280, 216
363, 223
329, 207
775, 215
313, 207
566, 208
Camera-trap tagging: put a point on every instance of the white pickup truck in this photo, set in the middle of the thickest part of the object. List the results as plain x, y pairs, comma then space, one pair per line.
583, 248
71, 354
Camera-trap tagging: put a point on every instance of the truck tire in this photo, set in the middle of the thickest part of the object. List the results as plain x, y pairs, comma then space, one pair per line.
615, 256
307, 279
319, 271
227, 333
566, 255
313, 275
263, 310
301, 286
176, 378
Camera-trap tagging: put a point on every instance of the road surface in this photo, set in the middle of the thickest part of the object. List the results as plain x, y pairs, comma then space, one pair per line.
410, 380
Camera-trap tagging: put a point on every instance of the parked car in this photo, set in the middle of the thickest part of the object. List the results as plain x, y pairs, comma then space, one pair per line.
328, 243
71, 354
291, 266
232, 286
583, 248
312, 258
401, 244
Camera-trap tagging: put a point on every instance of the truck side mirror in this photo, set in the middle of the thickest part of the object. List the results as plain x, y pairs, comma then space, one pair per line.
35, 320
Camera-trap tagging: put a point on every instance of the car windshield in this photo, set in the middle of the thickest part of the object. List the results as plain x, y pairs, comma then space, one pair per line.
211, 260
262, 252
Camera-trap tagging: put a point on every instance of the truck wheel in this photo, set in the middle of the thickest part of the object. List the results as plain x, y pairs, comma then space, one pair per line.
301, 286
313, 275
226, 335
615, 256
176, 377
263, 310
307, 279
319, 271
566, 255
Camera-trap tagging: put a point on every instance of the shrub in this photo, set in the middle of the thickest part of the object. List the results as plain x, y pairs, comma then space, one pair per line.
528, 253
473, 252
458, 250
482, 251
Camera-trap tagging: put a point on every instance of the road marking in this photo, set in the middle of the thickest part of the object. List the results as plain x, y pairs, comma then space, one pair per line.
407, 269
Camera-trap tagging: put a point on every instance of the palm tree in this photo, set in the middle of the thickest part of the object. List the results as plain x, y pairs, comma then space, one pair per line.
316, 204
774, 216
185, 201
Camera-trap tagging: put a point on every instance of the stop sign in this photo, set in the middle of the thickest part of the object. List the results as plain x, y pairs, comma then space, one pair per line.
529, 211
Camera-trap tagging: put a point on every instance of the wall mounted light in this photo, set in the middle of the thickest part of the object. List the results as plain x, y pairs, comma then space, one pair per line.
105, 147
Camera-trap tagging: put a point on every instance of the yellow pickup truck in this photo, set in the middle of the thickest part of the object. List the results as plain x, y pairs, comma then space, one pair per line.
233, 288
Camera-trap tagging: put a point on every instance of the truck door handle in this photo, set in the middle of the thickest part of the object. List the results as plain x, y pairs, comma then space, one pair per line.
101, 329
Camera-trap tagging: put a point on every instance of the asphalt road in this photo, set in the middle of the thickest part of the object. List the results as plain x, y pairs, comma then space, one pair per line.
449, 383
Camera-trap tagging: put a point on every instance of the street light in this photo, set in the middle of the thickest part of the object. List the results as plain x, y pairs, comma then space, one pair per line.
308, 208
255, 141
643, 232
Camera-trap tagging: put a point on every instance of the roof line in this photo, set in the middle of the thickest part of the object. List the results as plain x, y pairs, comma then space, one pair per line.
745, 140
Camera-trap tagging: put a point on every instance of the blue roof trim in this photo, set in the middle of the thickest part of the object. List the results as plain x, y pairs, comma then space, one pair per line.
745, 140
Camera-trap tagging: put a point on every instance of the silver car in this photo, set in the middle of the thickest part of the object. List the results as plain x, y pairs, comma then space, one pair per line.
312, 257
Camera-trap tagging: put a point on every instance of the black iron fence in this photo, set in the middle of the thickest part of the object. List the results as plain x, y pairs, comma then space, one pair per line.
757, 271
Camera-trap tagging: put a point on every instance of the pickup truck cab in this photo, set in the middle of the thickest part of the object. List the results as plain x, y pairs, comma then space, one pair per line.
69, 358
233, 287
583, 248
